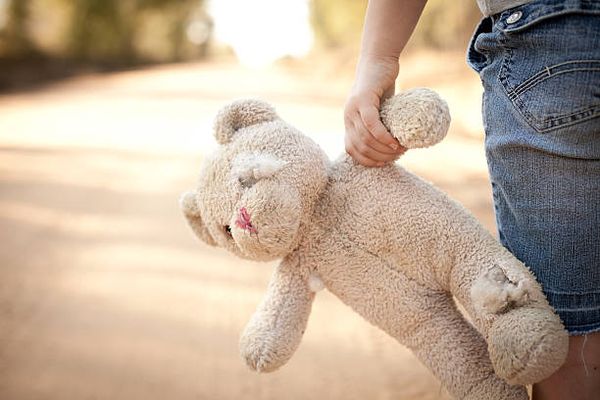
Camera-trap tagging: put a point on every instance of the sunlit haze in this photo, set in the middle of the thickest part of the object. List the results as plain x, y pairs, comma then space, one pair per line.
262, 31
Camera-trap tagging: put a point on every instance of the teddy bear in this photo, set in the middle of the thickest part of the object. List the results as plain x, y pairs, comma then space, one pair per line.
390, 245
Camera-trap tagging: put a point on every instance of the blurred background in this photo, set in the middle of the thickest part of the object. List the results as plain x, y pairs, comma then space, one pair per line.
106, 108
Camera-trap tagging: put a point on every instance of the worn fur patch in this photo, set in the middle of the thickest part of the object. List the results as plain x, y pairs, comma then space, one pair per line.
249, 168
315, 283
493, 292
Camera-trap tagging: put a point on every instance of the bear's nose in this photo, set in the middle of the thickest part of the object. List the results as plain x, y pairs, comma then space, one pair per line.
243, 221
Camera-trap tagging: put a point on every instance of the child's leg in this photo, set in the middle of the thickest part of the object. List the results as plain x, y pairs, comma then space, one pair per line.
579, 377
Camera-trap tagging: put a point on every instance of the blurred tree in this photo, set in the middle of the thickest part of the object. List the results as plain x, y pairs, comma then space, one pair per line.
337, 23
100, 30
180, 11
444, 24
47, 39
447, 24
15, 36
107, 30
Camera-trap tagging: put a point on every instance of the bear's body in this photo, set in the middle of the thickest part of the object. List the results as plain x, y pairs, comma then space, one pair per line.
398, 274
388, 244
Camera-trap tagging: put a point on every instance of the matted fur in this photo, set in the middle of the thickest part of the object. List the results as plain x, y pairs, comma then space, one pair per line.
388, 244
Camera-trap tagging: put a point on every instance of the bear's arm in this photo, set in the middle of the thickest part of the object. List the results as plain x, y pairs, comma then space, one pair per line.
275, 330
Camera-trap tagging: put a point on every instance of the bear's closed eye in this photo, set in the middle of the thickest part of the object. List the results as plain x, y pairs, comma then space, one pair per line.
246, 182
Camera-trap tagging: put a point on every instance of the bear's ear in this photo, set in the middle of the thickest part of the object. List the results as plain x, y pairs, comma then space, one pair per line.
189, 206
240, 114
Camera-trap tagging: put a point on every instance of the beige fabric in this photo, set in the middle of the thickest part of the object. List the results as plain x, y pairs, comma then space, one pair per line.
491, 7
388, 244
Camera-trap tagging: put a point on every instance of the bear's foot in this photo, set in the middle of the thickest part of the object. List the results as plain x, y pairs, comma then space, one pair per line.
527, 344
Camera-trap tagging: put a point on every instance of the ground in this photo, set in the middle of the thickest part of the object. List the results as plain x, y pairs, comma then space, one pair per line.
105, 293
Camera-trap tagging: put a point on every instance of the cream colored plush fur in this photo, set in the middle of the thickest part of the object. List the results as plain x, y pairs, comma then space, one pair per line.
388, 244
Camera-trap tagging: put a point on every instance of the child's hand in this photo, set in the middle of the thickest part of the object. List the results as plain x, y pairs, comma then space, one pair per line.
367, 139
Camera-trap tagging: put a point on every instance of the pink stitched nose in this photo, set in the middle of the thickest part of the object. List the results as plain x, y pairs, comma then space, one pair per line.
243, 221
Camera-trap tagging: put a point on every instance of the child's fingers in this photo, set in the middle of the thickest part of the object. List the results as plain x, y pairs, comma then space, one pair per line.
372, 122
369, 140
358, 148
356, 155
362, 143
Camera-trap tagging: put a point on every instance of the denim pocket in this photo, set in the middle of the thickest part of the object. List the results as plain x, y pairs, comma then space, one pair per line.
551, 68
558, 95
476, 57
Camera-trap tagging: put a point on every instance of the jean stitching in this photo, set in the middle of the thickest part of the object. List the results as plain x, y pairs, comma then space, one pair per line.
555, 66
545, 71
591, 324
548, 73
546, 124
503, 75
520, 89
559, 293
595, 308
575, 117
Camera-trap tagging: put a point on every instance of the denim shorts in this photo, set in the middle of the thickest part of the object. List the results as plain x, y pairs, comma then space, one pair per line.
540, 68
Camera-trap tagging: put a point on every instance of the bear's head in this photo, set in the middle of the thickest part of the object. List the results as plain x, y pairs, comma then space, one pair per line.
256, 193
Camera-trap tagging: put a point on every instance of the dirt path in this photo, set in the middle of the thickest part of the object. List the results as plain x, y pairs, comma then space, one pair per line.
105, 294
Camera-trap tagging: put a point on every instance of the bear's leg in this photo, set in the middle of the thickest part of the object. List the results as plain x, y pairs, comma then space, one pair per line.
455, 352
274, 332
526, 340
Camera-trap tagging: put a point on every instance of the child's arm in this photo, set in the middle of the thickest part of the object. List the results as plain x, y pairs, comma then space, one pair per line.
388, 26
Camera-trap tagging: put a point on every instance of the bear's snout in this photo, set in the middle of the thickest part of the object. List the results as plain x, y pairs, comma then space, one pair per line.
243, 221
